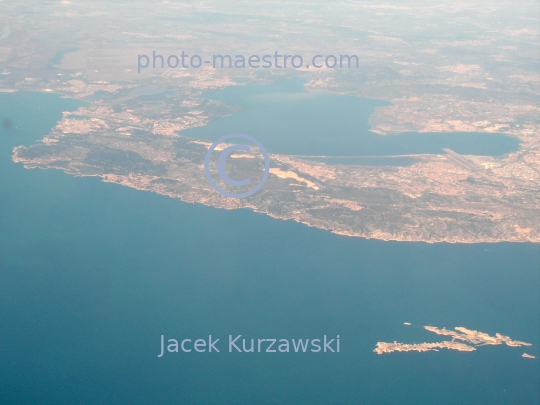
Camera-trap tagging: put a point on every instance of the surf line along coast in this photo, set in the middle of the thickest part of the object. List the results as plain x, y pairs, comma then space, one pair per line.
238, 344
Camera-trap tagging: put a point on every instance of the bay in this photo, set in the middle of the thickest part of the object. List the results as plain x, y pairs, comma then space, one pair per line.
287, 119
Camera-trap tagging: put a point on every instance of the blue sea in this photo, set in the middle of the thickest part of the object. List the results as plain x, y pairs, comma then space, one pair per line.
92, 274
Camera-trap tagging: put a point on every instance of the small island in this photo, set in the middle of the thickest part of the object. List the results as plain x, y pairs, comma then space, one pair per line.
472, 339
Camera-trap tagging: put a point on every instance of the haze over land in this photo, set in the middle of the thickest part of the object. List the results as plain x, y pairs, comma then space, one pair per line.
475, 70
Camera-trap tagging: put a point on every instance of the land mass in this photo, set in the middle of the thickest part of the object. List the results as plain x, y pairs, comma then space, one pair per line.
437, 199
454, 76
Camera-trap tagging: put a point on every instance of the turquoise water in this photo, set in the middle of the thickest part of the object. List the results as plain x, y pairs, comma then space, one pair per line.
287, 119
91, 274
